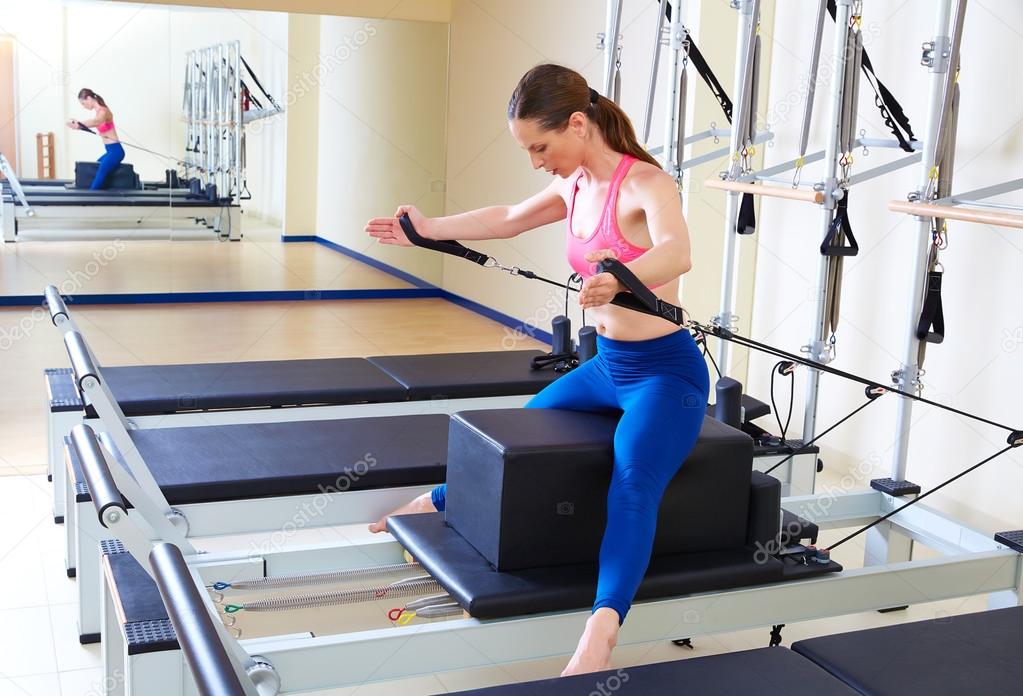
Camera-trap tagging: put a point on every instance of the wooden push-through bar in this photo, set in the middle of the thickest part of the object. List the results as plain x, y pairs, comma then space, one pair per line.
806, 195
954, 212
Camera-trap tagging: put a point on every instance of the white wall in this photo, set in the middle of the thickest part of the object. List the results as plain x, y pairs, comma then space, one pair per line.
133, 55
978, 367
383, 96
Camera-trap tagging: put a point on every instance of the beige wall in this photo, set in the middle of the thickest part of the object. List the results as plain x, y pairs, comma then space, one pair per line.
382, 106
422, 10
302, 102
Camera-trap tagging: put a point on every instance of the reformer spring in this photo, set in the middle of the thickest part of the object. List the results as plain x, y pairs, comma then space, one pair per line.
402, 588
313, 578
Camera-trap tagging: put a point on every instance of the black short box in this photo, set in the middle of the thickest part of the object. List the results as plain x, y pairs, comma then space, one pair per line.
528, 487
122, 177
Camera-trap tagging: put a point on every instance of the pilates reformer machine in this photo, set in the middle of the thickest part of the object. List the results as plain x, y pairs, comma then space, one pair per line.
722, 560
268, 443
22, 204
215, 394
253, 469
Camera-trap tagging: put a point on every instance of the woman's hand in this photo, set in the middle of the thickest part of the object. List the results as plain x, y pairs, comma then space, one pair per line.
387, 230
600, 289
72, 124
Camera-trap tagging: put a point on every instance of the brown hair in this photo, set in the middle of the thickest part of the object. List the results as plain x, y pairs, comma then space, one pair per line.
550, 94
86, 92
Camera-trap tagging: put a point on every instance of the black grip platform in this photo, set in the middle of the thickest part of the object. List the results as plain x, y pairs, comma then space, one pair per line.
895, 488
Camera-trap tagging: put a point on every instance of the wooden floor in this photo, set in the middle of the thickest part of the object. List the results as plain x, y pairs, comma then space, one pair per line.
217, 332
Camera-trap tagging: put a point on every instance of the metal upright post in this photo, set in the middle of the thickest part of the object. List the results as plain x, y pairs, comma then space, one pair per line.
675, 102
610, 45
746, 32
941, 55
237, 160
818, 349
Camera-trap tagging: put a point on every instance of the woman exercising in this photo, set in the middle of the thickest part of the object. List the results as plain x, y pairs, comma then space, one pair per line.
620, 204
104, 124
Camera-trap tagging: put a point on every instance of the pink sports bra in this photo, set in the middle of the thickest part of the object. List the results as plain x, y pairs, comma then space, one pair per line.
104, 127
607, 235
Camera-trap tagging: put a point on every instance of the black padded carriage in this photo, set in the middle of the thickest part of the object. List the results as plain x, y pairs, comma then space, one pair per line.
509, 468
159, 389
226, 462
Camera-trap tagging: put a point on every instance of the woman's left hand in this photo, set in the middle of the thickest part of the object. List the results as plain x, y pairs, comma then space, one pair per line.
600, 289
72, 124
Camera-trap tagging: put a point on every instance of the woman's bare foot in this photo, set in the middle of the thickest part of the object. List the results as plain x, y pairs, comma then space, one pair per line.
593, 654
423, 503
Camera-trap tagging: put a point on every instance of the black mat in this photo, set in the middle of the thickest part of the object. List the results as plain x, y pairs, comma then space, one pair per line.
763, 672
967, 655
466, 375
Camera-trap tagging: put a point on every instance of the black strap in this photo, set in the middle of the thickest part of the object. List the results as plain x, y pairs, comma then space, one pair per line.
932, 314
891, 110
839, 229
746, 222
442, 245
703, 68
83, 127
256, 80
639, 297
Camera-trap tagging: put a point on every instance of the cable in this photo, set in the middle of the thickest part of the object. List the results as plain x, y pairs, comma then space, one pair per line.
785, 369
920, 497
822, 434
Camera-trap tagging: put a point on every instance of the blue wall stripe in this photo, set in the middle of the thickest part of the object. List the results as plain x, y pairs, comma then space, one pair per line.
368, 260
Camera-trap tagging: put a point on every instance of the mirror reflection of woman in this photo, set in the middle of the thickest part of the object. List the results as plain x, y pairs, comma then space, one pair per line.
104, 125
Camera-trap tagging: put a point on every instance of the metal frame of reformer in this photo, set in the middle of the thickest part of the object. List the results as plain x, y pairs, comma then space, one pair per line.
214, 117
971, 564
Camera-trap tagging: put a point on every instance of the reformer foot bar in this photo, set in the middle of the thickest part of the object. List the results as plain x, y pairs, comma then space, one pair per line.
165, 396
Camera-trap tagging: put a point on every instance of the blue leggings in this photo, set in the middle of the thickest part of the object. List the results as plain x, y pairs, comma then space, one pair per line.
661, 387
107, 163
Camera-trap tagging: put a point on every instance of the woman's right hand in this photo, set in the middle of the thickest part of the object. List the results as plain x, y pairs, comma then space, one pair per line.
387, 230
72, 124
